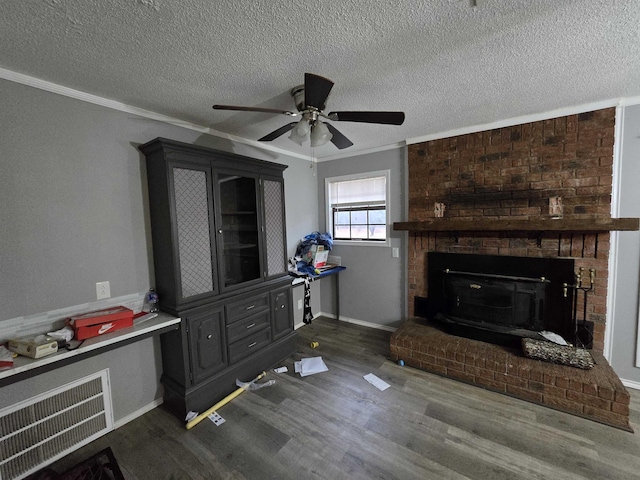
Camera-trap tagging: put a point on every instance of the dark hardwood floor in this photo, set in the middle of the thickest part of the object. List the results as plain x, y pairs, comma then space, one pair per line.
335, 425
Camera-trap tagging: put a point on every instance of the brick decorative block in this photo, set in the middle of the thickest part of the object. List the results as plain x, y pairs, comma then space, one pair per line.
596, 394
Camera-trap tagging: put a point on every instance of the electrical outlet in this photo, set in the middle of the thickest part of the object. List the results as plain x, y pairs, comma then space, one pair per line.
103, 290
299, 304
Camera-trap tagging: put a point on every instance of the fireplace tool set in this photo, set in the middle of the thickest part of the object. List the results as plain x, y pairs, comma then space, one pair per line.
583, 332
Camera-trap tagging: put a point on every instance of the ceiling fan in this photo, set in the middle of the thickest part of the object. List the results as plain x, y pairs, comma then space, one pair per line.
310, 100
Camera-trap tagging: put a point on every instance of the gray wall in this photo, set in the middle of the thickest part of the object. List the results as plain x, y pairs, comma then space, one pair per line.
74, 212
624, 317
373, 288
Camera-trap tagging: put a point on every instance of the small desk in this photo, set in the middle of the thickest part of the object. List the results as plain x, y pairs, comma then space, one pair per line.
25, 367
333, 271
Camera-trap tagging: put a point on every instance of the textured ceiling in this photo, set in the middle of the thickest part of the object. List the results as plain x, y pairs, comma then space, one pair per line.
448, 65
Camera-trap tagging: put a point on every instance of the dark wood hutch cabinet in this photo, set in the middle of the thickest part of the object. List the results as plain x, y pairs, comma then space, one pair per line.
219, 248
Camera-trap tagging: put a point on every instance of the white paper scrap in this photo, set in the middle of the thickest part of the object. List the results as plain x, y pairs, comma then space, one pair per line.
190, 416
309, 366
376, 382
553, 337
216, 418
281, 369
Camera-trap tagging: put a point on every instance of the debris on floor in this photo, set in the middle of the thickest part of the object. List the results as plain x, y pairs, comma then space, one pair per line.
376, 382
309, 366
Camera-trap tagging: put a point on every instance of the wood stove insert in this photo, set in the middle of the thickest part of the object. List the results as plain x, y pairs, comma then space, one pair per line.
514, 296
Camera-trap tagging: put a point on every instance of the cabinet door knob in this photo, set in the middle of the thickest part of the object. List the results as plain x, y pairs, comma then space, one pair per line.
281, 306
220, 231
209, 337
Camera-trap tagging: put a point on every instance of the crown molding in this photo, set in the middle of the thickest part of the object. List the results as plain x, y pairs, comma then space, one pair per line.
123, 107
536, 117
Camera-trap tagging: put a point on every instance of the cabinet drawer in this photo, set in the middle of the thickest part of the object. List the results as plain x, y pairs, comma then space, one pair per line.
247, 326
245, 347
246, 307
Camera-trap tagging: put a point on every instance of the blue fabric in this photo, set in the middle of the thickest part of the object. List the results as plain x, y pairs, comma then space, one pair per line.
315, 238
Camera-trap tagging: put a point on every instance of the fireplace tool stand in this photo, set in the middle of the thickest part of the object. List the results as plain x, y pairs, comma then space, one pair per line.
583, 331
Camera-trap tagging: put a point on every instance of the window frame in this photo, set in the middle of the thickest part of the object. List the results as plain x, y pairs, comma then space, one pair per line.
387, 206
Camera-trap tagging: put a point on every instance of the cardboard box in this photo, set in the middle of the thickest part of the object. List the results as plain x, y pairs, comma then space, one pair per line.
82, 333
33, 347
100, 316
320, 258
99, 322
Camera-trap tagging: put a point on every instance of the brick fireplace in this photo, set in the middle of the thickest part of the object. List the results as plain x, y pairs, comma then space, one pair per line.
533, 179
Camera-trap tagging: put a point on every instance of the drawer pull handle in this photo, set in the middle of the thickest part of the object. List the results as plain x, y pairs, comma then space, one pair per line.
253, 344
250, 307
209, 337
252, 325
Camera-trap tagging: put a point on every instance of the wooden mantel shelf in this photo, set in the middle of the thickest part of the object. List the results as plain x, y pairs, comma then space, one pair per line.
531, 225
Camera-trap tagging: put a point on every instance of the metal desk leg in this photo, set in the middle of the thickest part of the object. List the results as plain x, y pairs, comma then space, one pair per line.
337, 299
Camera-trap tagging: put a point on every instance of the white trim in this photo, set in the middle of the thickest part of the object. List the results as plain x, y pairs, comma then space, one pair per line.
369, 151
628, 101
354, 321
138, 413
617, 162
357, 176
123, 107
630, 384
611, 295
362, 323
536, 117
614, 237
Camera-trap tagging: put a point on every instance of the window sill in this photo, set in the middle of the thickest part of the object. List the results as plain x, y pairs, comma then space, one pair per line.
361, 243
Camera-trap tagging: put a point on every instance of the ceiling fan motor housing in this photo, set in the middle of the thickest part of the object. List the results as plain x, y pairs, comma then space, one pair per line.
298, 97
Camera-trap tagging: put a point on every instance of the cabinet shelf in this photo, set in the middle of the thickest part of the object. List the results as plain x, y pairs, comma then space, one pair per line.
240, 246
239, 228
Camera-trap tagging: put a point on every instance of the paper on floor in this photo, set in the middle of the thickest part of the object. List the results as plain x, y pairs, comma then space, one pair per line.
376, 382
216, 418
309, 366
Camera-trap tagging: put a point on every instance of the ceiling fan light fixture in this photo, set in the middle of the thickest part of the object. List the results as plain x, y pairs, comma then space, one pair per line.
299, 132
320, 134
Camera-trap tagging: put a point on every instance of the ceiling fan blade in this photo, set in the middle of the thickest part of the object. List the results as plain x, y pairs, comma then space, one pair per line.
338, 139
316, 90
387, 118
254, 109
276, 133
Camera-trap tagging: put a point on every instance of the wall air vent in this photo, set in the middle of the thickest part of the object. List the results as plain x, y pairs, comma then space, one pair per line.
40, 430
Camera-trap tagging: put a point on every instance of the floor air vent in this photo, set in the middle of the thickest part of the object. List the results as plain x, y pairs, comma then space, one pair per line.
38, 431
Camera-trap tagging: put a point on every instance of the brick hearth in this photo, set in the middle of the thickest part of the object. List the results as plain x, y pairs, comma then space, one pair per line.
596, 394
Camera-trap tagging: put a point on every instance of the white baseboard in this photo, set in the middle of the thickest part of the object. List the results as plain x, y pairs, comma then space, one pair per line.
138, 413
362, 323
630, 384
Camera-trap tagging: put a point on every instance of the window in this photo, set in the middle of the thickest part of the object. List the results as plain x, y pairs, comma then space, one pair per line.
357, 207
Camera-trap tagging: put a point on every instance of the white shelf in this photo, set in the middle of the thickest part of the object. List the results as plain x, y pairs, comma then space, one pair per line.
24, 367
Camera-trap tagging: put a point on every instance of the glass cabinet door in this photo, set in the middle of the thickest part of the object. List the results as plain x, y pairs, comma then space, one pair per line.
238, 229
